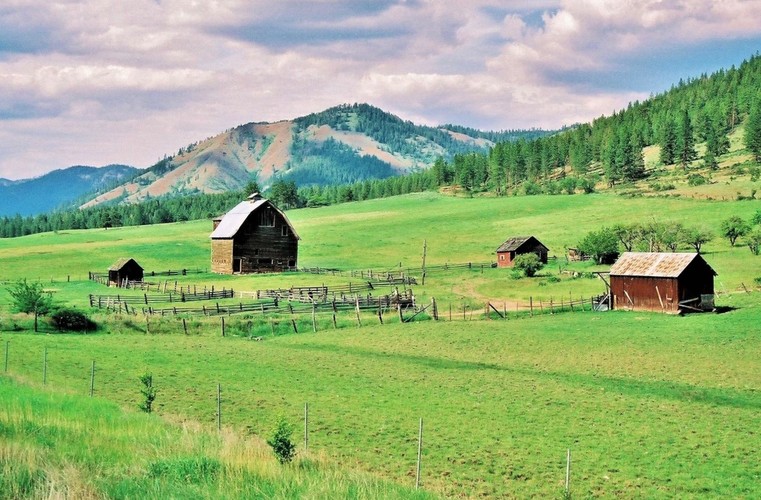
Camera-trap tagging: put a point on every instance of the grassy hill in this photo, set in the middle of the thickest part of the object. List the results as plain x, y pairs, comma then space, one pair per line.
650, 405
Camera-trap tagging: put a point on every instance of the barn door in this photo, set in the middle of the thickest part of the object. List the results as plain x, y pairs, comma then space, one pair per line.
236, 265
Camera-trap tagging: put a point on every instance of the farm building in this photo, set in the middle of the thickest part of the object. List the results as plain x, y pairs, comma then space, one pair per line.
668, 282
255, 236
124, 270
513, 247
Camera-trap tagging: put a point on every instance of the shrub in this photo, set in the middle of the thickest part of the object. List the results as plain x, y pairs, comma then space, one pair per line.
148, 391
696, 180
71, 320
528, 264
281, 443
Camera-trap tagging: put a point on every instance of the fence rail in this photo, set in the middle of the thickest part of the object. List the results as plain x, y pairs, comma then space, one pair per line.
104, 300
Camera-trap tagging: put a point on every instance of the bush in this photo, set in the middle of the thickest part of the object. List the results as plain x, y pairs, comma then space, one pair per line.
528, 264
281, 443
696, 180
71, 320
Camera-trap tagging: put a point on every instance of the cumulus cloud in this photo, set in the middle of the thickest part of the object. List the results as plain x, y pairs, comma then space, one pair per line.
123, 82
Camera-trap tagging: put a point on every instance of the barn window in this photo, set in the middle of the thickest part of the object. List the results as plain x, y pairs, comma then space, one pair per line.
284, 231
267, 218
501, 256
265, 261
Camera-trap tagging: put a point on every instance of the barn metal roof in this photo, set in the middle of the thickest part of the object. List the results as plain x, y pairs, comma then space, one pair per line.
654, 264
233, 220
515, 243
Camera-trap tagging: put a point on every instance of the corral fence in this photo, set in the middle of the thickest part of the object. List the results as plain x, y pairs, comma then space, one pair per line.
101, 301
319, 293
102, 278
389, 277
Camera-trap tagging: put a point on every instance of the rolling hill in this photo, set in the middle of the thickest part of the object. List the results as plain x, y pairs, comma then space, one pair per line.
343, 144
59, 188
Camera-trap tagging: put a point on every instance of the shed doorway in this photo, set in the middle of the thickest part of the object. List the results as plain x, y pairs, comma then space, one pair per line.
236, 265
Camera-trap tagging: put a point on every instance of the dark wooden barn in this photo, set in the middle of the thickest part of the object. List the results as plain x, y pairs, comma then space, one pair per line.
255, 236
668, 282
518, 245
124, 270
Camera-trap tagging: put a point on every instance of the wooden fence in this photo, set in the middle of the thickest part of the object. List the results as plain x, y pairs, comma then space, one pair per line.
105, 300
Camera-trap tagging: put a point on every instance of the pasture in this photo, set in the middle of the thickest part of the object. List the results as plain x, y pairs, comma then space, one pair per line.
650, 405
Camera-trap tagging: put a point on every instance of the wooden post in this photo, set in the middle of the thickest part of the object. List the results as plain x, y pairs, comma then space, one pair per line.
147, 325
568, 472
293, 322
425, 251
399, 308
314, 319
45, 366
92, 378
223, 325
419, 453
219, 407
184, 326
380, 312
435, 309
335, 325
531, 306
306, 426
359, 320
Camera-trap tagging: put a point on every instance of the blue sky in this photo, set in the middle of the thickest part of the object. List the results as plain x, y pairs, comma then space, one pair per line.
101, 82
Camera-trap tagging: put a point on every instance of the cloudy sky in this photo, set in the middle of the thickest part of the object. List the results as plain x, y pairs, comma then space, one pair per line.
108, 81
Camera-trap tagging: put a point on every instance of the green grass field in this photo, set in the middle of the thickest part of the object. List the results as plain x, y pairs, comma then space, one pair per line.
650, 405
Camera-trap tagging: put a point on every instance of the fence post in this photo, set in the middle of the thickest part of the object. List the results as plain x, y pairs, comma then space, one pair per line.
306, 426
219, 407
568, 473
359, 320
419, 453
92, 378
531, 306
435, 309
45, 365
223, 326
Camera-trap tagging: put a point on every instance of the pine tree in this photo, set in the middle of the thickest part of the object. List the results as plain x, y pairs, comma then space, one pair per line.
668, 143
753, 132
685, 146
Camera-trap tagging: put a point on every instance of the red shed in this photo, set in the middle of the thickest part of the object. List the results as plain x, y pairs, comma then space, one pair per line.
668, 282
518, 245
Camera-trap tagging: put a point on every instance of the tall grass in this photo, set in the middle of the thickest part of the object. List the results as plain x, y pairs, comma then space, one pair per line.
64, 446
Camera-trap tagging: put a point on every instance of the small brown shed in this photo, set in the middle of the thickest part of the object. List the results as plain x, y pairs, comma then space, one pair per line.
124, 270
255, 236
518, 245
668, 282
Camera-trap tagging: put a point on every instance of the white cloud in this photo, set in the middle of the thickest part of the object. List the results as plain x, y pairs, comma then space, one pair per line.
115, 82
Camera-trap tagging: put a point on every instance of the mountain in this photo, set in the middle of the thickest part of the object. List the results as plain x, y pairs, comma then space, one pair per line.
59, 188
340, 145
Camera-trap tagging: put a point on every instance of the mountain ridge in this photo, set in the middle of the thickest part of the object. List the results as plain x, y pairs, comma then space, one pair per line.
342, 144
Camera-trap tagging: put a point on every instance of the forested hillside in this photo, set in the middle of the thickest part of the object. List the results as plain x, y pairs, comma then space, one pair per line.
704, 133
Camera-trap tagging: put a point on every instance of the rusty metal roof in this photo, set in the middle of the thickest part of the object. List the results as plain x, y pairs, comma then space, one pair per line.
514, 243
654, 264
233, 220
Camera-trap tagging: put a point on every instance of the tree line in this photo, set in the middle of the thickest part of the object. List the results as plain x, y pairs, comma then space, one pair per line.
700, 110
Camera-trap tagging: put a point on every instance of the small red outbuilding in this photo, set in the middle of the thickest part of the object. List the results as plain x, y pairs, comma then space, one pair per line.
518, 245
668, 282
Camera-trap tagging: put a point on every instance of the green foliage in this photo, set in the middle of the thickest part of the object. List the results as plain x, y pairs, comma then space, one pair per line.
528, 264
754, 240
733, 228
72, 320
602, 245
148, 390
281, 443
752, 137
696, 180
30, 298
